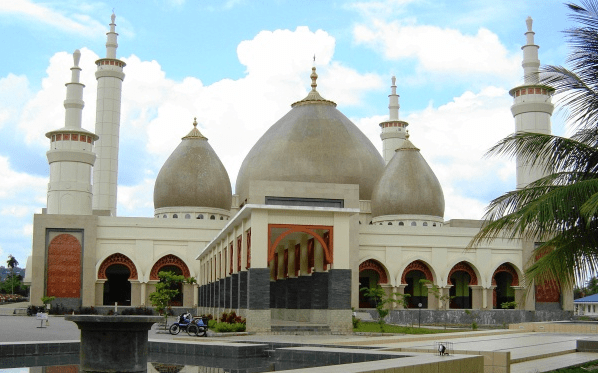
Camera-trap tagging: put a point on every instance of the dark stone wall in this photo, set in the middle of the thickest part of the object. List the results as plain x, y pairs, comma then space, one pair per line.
258, 288
304, 292
234, 289
243, 289
227, 285
292, 293
339, 289
319, 290
454, 317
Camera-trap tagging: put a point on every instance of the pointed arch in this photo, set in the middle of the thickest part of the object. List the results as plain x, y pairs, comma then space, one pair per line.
169, 260
466, 267
309, 229
377, 267
417, 265
117, 258
510, 269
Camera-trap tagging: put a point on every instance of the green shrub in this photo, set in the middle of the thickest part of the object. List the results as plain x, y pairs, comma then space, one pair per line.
223, 327
356, 322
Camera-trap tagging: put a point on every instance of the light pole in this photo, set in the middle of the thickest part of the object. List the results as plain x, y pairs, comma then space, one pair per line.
419, 316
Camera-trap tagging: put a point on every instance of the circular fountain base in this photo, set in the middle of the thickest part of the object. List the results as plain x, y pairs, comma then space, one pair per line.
113, 343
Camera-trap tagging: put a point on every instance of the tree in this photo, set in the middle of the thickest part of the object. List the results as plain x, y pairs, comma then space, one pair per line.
382, 299
560, 210
12, 263
166, 291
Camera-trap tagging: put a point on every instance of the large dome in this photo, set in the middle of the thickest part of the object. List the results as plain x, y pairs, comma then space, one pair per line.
193, 176
408, 186
313, 142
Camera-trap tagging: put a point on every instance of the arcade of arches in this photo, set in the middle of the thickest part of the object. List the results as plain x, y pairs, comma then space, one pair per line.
118, 273
462, 290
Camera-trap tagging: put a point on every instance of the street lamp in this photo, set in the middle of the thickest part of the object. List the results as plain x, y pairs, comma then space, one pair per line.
419, 321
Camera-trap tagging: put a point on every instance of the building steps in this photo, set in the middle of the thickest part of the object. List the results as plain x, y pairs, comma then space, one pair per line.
548, 364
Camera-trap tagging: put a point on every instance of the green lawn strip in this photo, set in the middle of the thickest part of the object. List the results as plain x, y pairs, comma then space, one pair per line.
579, 368
369, 327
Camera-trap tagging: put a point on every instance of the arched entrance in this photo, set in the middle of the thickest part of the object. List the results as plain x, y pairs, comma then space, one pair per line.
174, 264
117, 288
371, 273
413, 276
504, 278
118, 270
461, 277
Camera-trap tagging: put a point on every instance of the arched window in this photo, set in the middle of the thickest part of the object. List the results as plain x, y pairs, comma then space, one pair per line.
425, 224
165, 216
413, 224
175, 216
222, 218
401, 223
187, 216
212, 217
434, 224
200, 216
389, 223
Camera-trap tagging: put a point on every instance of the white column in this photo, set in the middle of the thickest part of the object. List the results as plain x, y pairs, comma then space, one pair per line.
110, 76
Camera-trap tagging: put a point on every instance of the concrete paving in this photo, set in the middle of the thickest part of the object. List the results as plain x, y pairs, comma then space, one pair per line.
530, 352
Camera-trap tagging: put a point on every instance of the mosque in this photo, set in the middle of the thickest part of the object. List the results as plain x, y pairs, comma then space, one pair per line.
317, 214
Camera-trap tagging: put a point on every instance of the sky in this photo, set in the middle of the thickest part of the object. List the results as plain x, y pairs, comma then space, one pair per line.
238, 65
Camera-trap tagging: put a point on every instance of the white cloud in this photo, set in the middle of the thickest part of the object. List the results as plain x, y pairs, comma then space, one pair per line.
19, 184
45, 111
440, 50
75, 23
453, 139
14, 92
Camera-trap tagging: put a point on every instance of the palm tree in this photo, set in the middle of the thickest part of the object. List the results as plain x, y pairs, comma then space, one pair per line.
559, 210
12, 263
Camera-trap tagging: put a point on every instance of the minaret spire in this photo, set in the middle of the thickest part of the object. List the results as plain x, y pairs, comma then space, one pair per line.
532, 107
71, 154
110, 77
393, 129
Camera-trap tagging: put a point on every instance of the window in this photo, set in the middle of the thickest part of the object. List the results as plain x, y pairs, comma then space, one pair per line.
175, 216
413, 224
389, 223
187, 216
222, 218
212, 217
164, 216
200, 216
434, 224
425, 224
401, 223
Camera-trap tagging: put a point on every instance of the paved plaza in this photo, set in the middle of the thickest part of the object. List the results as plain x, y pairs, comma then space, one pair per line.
526, 352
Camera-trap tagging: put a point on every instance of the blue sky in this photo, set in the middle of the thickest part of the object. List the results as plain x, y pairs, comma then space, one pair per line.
237, 66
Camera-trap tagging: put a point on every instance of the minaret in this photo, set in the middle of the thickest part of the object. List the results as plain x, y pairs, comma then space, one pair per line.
532, 107
71, 155
110, 77
393, 130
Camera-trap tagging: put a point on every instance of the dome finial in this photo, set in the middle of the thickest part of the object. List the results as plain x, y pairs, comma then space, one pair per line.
195, 122
313, 77
407, 134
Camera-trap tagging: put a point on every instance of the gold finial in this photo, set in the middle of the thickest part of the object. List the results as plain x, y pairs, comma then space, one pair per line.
195, 122
407, 134
313, 77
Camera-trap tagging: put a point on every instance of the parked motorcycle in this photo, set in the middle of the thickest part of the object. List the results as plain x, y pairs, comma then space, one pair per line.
183, 324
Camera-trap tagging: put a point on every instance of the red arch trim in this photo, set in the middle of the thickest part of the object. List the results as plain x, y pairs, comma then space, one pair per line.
375, 266
506, 267
169, 260
417, 265
309, 229
117, 258
463, 267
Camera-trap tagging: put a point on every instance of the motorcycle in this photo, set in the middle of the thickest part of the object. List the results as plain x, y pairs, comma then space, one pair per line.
182, 324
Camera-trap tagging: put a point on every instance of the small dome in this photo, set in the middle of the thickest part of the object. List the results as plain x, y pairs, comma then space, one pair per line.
313, 142
408, 186
193, 176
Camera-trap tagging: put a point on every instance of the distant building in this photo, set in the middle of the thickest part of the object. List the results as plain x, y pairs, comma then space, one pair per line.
317, 214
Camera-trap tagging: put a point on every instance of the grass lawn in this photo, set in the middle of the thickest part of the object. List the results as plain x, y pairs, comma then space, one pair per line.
373, 327
592, 366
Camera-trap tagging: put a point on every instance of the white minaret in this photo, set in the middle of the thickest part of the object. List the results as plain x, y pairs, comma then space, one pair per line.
532, 107
110, 77
393, 130
71, 155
